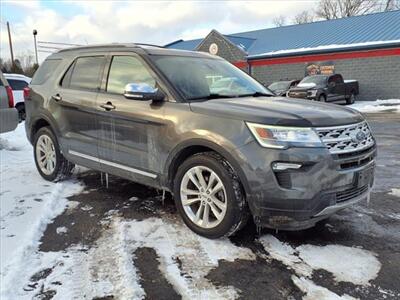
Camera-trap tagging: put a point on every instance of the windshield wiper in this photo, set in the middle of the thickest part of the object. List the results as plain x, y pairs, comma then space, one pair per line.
257, 94
211, 96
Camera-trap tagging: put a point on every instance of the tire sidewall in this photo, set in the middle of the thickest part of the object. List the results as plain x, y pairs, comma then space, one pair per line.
322, 98
47, 131
352, 98
232, 210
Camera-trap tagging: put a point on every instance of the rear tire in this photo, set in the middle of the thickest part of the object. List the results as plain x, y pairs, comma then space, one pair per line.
351, 99
209, 196
49, 160
21, 112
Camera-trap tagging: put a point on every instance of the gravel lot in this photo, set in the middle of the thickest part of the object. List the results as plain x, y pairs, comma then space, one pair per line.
124, 242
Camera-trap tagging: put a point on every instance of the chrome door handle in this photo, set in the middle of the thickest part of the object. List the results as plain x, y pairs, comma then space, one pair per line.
56, 97
108, 106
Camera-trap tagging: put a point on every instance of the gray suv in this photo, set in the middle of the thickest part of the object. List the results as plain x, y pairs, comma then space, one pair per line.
155, 116
8, 114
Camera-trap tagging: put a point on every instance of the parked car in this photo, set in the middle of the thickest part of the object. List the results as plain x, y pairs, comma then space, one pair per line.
18, 82
326, 88
147, 114
8, 114
280, 88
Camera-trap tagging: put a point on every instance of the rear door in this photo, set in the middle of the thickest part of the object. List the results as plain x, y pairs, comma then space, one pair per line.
74, 106
128, 132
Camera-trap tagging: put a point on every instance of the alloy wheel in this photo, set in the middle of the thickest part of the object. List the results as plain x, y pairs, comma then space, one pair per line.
46, 154
203, 197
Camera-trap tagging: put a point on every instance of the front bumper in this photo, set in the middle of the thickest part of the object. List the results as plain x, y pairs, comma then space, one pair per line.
297, 199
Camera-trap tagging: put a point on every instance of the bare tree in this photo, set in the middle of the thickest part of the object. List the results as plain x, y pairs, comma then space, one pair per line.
303, 18
279, 21
388, 5
334, 9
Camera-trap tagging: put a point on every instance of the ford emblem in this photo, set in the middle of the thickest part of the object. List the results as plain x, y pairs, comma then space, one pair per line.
359, 137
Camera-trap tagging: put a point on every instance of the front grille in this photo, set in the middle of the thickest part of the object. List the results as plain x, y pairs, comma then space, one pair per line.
347, 138
298, 94
350, 193
356, 163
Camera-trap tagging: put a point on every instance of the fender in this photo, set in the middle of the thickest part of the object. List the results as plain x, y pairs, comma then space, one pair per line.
228, 154
42, 115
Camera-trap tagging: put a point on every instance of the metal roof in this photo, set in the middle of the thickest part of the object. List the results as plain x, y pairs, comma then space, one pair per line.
366, 30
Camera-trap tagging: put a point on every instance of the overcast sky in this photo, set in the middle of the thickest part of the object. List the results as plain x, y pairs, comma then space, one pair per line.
157, 22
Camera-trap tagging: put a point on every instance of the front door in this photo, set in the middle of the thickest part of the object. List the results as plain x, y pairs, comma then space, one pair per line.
129, 130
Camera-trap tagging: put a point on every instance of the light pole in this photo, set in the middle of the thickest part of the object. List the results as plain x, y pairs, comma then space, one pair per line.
34, 40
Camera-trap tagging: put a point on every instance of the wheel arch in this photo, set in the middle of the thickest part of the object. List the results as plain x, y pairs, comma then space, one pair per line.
191, 147
41, 121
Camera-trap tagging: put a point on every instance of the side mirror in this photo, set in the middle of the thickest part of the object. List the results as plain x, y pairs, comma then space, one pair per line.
144, 92
332, 84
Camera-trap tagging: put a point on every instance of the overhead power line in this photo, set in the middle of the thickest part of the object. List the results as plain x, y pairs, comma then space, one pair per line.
54, 43
50, 47
45, 51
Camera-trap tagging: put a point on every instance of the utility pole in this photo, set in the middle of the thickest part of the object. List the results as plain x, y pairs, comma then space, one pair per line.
34, 40
10, 42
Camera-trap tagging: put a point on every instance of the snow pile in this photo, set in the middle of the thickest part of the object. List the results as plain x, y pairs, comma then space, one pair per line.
315, 292
347, 264
389, 105
173, 242
395, 192
28, 204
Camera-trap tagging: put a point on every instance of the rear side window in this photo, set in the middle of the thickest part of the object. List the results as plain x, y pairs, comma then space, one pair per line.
45, 70
84, 73
127, 69
17, 85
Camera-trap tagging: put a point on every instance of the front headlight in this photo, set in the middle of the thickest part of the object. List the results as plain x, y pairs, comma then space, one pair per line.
282, 137
312, 93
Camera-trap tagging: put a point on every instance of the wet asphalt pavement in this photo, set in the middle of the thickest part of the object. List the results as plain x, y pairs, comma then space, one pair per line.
374, 227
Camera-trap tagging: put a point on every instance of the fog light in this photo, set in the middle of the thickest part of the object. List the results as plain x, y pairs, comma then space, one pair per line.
281, 166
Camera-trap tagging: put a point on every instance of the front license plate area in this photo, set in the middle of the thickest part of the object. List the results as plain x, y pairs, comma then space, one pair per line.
364, 177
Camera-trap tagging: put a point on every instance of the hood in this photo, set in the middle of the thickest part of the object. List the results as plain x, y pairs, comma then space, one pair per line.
278, 111
279, 92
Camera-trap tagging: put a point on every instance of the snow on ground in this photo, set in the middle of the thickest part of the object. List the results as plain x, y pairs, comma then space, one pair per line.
28, 203
347, 264
395, 192
377, 106
107, 268
315, 292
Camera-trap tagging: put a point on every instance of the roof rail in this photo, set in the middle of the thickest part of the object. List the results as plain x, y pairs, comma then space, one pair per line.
112, 45
151, 45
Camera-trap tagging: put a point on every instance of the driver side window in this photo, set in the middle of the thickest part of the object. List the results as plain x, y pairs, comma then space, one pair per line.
127, 69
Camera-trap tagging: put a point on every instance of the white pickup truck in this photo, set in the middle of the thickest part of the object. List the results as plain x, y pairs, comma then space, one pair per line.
18, 82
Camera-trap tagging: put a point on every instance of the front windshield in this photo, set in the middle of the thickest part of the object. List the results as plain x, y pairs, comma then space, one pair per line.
279, 86
207, 78
318, 79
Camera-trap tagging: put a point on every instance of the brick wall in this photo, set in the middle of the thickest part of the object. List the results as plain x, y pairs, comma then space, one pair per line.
378, 77
225, 48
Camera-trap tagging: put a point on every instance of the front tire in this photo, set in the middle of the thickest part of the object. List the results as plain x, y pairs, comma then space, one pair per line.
209, 196
49, 160
322, 98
